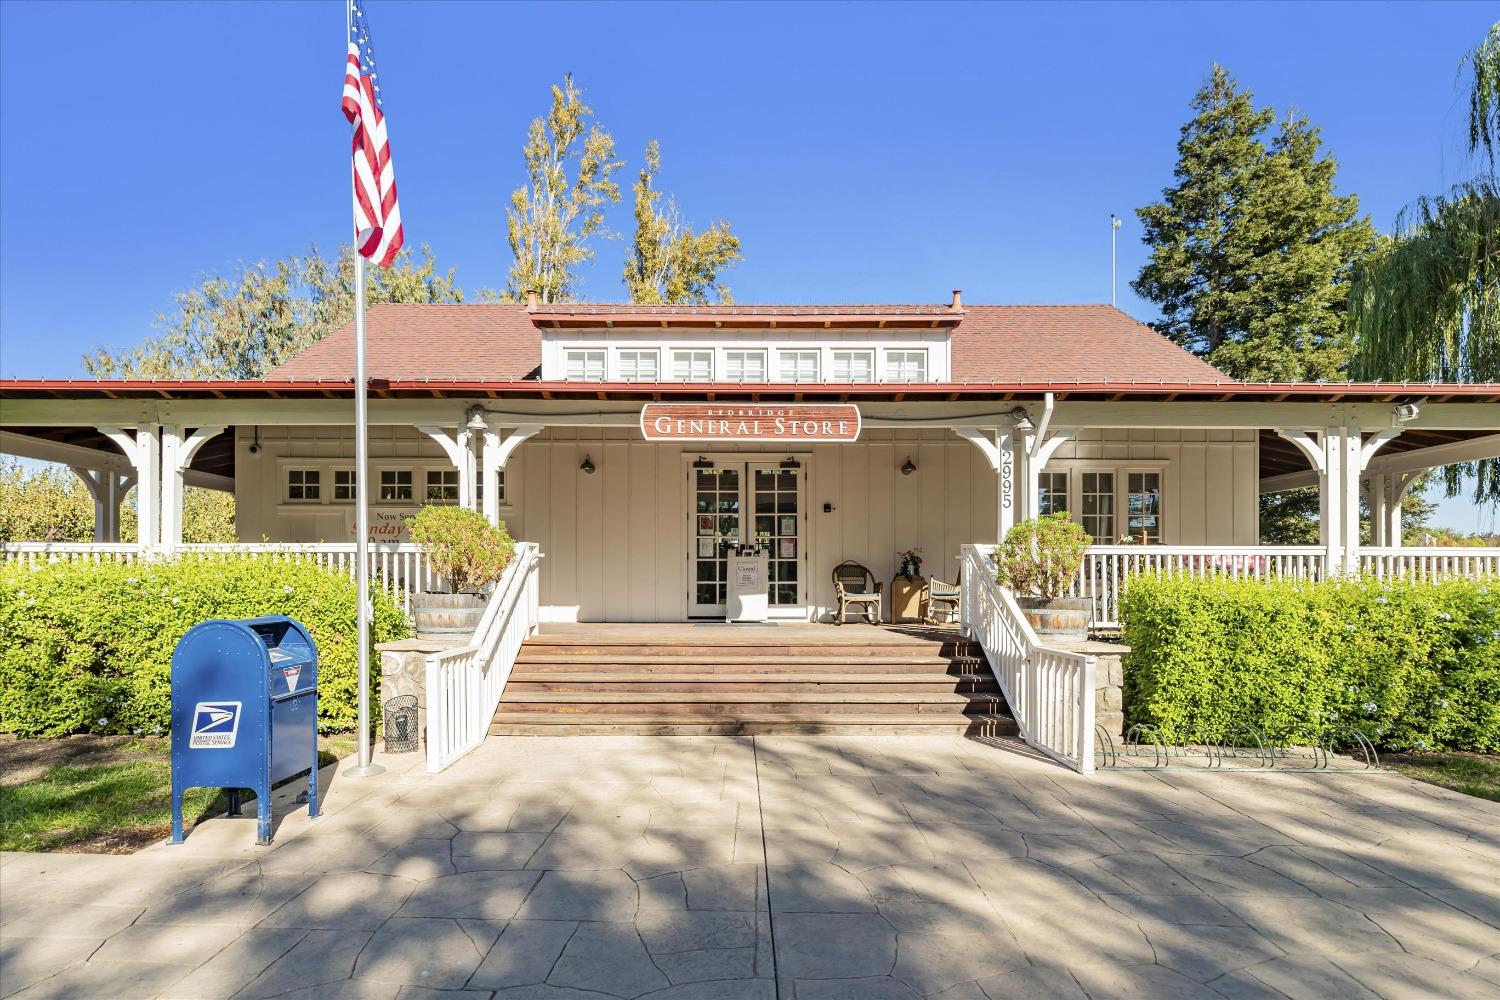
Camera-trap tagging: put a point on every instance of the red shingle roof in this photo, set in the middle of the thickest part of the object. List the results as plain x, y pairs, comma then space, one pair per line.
501, 342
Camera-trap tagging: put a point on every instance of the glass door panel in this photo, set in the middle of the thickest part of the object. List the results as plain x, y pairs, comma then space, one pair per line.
776, 500
715, 526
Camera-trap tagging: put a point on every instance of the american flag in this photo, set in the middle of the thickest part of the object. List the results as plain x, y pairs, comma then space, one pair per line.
377, 216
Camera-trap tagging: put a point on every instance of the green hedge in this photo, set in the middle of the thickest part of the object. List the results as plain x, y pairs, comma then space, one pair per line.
87, 648
1411, 666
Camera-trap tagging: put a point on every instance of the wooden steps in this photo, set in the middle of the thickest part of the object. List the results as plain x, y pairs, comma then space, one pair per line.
816, 680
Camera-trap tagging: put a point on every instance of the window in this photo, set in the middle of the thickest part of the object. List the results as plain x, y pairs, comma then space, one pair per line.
693, 366
640, 366
479, 489
906, 366
853, 366
798, 366
1053, 493
302, 484
343, 484
442, 486
745, 366
1098, 506
395, 484
1143, 506
584, 366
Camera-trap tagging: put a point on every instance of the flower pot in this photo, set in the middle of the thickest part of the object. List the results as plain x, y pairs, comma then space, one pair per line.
447, 615
1062, 616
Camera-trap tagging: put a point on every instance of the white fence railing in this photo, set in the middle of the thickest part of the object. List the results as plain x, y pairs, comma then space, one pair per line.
464, 685
1050, 691
1424, 563
1107, 568
401, 568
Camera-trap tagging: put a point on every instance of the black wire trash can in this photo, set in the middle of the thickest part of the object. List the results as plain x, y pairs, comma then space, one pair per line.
401, 732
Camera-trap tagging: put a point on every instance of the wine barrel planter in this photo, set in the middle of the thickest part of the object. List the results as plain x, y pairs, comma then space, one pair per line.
1061, 616
447, 615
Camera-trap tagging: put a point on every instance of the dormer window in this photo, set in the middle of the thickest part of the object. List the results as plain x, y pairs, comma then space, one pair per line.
797, 366
854, 366
745, 366
693, 366
906, 366
585, 366
640, 366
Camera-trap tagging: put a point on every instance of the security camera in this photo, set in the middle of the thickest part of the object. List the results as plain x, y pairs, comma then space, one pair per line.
254, 449
1405, 413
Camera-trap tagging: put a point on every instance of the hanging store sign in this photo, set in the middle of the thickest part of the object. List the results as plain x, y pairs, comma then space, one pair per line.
833, 422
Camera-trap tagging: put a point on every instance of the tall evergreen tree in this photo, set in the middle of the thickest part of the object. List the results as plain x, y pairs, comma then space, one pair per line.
1251, 248
553, 216
669, 261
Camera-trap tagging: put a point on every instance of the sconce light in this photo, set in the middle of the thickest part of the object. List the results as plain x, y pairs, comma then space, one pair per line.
703, 463
908, 466
790, 463
587, 468
1022, 418
476, 419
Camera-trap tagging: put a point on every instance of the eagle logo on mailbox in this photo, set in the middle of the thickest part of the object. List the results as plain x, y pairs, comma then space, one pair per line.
215, 725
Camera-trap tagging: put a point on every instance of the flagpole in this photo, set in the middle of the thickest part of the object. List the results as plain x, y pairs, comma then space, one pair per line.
365, 767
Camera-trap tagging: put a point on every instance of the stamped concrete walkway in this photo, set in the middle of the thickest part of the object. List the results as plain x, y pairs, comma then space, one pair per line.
799, 868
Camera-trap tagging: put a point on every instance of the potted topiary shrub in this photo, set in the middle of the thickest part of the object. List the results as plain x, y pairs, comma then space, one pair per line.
1038, 560
467, 551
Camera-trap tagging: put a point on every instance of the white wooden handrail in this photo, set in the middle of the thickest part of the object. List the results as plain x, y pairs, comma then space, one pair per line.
1050, 691
464, 685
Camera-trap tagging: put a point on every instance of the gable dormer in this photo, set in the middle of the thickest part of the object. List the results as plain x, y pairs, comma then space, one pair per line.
738, 345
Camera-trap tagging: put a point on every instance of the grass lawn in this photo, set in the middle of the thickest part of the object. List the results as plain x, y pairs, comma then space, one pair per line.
1471, 773
102, 795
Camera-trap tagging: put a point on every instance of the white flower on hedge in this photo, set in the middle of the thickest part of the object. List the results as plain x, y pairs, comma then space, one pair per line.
1445, 616
1419, 744
103, 722
1382, 599
131, 579
1352, 689
1333, 715
287, 589
1442, 703
1369, 706
176, 600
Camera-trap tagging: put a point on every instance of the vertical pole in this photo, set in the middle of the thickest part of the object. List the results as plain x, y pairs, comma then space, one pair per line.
362, 522
1329, 501
1351, 466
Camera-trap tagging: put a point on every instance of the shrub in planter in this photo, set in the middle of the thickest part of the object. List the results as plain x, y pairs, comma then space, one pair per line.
86, 648
1038, 560
1410, 665
463, 546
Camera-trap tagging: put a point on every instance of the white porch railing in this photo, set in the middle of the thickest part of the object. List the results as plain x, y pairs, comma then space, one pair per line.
1107, 568
464, 685
401, 568
1429, 563
1050, 691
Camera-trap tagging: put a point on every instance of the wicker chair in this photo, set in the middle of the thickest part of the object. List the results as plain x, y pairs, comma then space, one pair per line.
942, 597
856, 585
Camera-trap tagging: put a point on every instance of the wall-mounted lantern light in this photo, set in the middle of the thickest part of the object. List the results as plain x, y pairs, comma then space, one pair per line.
587, 468
908, 466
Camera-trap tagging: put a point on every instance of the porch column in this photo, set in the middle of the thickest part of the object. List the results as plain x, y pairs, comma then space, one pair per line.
494, 455
1372, 489
177, 450
460, 451
108, 488
142, 448
1396, 485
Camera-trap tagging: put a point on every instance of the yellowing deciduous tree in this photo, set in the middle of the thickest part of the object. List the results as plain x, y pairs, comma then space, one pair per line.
670, 263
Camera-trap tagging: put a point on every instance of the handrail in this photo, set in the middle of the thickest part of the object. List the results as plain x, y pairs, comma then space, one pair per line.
1050, 691
464, 685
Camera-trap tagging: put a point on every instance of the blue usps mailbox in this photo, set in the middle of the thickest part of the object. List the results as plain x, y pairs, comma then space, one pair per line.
244, 712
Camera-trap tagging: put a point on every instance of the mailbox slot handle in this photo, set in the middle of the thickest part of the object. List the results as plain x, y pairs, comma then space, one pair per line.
294, 694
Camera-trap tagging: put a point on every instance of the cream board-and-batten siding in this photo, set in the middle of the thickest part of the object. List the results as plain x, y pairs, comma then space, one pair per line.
618, 543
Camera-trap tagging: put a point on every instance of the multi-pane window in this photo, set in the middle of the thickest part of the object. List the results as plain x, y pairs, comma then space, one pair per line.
854, 366
442, 486
395, 484
745, 366
798, 366
479, 488
1097, 506
640, 366
584, 366
906, 366
343, 484
693, 366
302, 484
1143, 506
1052, 493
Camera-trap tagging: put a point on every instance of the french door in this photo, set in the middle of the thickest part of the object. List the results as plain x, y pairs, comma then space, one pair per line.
745, 503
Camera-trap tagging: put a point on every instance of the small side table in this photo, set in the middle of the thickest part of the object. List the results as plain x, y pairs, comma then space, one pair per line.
906, 599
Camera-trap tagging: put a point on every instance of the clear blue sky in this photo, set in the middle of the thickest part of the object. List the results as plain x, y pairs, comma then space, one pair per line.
883, 153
